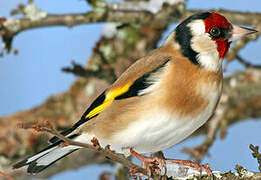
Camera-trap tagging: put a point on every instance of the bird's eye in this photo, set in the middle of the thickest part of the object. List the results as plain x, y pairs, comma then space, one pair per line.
215, 32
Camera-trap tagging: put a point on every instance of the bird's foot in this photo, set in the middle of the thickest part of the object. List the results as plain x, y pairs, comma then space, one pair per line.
108, 148
150, 163
132, 173
96, 143
64, 144
194, 165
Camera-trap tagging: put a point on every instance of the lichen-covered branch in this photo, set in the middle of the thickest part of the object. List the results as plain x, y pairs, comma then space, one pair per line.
124, 12
172, 171
112, 14
80, 71
102, 12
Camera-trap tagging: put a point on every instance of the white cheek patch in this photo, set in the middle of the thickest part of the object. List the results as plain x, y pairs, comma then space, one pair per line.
197, 27
208, 56
201, 42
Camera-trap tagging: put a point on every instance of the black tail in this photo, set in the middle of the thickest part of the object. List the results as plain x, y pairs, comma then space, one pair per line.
64, 133
98, 101
70, 130
47, 156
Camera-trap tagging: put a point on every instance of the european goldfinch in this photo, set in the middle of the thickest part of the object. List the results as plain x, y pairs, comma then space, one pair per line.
158, 101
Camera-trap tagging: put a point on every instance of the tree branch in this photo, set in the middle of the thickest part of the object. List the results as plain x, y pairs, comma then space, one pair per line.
47, 127
256, 154
13, 26
80, 71
240, 44
246, 63
173, 170
6, 176
124, 12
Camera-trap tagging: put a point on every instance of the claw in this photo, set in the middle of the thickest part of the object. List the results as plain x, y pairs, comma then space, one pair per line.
150, 163
108, 148
132, 173
63, 144
96, 143
37, 128
196, 166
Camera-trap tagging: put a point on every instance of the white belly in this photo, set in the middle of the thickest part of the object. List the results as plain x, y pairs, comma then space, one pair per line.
157, 131
160, 129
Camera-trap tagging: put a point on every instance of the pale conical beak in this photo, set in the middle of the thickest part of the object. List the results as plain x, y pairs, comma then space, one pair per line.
239, 32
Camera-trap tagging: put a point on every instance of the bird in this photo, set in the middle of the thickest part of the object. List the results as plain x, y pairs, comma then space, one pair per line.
159, 100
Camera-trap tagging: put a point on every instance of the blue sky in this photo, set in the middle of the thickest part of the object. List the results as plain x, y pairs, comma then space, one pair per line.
28, 78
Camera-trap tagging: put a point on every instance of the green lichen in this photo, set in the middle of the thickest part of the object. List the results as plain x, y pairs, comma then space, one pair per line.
90, 88
243, 172
99, 7
109, 53
32, 12
130, 34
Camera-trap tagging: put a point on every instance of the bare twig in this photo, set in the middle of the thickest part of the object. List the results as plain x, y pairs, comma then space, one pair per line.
80, 71
6, 176
110, 12
177, 170
105, 176
124, 15
256, 154
246, 63
106, 65
13, 26
102, 73
47, 127
173, 169
200, 151
239, 45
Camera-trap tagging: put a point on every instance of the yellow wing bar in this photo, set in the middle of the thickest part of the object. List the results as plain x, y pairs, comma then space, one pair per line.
110, 96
